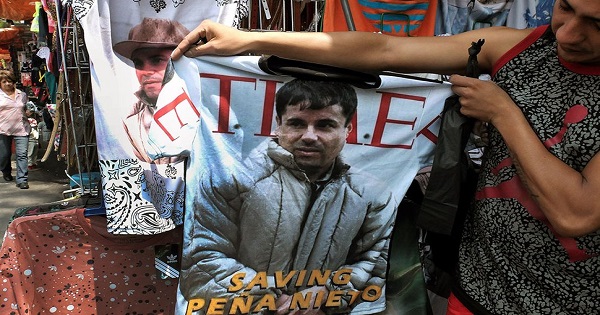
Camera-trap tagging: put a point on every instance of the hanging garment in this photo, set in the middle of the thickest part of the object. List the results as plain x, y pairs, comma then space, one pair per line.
452, 177
26, 79
239, 178
458, 16
530, 13
50, 15
35, 22
142, 197
398, 18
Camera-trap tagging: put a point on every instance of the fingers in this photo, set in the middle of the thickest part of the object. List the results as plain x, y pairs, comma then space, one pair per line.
461, 80
211, 38
283, 304
192, 40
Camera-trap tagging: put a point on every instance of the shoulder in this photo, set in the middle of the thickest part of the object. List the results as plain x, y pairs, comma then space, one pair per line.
498, 41
449, 54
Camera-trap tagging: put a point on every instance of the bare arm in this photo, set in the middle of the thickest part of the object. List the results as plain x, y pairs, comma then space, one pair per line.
355, 50
569, 199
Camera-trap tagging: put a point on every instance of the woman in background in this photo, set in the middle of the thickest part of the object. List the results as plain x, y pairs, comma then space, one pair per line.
13, 125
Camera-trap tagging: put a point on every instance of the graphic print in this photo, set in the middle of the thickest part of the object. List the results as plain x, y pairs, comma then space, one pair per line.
290, 197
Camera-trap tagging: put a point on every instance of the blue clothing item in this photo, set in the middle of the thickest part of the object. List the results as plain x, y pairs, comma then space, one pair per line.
21, 155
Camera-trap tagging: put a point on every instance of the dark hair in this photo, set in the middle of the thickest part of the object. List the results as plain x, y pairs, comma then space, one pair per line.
309, 94
9, 75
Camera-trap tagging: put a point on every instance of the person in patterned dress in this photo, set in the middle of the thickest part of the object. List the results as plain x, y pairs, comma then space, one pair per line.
531, 241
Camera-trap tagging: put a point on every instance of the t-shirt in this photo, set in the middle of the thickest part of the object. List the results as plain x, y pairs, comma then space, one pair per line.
392, 17
457, 16
140, 197
225, 109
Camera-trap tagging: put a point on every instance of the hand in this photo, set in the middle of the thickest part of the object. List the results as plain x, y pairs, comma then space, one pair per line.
482, 100
284, 302
211, 38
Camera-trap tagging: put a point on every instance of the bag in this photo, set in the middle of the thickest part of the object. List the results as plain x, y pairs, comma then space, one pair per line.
452, 174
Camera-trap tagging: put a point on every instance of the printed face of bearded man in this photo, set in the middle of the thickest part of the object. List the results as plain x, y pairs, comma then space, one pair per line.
150, 65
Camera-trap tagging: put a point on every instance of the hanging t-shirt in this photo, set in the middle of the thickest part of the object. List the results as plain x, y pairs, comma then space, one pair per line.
238, 177
393, 17
141, 196
66, 263
458, 16
530, 13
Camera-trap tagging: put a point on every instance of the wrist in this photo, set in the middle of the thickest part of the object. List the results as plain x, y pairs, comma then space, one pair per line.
508, 117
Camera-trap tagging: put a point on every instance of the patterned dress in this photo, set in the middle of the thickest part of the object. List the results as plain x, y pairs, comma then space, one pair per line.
511, 259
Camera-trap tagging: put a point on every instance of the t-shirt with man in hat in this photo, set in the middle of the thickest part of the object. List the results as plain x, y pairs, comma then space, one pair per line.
149, 46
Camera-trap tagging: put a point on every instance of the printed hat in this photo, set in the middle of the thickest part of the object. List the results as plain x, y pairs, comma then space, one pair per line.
155, 33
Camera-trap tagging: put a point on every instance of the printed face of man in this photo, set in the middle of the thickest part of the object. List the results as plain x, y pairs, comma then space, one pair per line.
314, 136
150, 65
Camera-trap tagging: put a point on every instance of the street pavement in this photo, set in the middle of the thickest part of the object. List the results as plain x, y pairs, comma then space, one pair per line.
46, 184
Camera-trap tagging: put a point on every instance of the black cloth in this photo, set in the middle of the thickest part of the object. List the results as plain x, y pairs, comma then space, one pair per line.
451, 183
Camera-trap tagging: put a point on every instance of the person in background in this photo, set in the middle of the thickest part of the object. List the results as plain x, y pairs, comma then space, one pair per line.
149, 46
13, 126
33, 147
531, 240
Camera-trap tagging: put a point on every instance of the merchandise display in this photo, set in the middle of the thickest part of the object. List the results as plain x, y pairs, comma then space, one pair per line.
64, 262
256, 184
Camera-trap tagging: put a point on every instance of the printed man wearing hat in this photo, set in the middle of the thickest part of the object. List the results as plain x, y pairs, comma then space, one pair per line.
149, 46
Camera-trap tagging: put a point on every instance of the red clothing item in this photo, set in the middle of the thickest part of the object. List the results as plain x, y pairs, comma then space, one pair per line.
455, 307
66, 263
404, 18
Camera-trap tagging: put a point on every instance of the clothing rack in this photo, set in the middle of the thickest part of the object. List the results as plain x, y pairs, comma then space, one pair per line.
284, 15
76, 108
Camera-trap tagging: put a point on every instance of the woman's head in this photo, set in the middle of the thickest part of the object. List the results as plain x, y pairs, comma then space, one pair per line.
7, 80
8, 75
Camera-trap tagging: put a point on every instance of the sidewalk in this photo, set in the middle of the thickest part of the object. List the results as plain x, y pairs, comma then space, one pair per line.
46, 184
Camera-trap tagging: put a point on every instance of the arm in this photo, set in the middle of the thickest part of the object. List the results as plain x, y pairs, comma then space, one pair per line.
569, 199
355, 50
